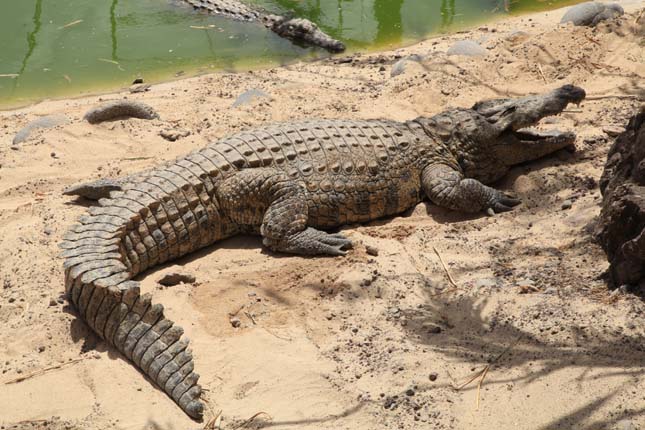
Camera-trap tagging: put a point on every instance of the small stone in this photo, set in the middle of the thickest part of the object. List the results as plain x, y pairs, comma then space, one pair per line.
371, 250
52, 302
409, 392
137, 81
433, 376
41, 348
174, 278
567, 204
235, 322
12, 299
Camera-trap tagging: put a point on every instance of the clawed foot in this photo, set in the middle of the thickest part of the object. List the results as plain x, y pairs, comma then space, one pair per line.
313, 242
501, 202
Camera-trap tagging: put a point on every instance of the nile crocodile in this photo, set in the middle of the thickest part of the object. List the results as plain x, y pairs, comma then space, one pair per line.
288, 183
298, 29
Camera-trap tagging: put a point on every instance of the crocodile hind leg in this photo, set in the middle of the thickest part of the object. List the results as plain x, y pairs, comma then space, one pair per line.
269, 199
448, 188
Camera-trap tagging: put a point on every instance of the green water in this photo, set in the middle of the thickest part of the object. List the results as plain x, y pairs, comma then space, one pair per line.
53, 48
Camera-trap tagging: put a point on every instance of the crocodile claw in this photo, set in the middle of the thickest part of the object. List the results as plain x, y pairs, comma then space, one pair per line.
313, 242
501, 202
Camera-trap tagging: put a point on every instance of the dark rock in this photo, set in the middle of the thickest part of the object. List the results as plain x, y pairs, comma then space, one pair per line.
567, 204
120, 109
235, 322
175, 278
621, 225
137, 81
433, 376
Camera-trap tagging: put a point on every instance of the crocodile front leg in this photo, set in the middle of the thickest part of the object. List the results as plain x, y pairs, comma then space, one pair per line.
448, 188
277, 204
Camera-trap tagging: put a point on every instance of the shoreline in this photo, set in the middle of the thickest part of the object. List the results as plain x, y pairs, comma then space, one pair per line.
363, 341
196, 71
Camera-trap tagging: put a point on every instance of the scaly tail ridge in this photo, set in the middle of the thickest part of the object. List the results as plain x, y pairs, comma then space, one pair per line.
166, 215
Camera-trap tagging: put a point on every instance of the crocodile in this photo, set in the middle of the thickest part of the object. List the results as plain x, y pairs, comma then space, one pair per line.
297, 29
292, 183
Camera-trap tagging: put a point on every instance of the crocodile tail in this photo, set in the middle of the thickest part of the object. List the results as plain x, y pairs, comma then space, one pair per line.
157, 220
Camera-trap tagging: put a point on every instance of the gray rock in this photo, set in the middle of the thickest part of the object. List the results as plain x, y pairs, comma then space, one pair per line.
399, 67
467, 48
44, 122
567, 204
591, 13
175, 278
248, 96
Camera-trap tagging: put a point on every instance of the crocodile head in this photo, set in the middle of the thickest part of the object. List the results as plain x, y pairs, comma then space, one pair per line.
301, 29
513, 119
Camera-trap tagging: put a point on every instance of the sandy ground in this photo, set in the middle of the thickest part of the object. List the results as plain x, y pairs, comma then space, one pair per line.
363, 341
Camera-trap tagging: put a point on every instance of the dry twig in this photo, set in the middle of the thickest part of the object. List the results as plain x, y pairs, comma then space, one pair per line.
483, 372
45, 370
445, 268
542, 73
250, 420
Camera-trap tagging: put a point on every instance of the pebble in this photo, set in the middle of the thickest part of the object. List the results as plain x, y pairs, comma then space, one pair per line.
433, 376
52, 302
41, 348
567, 204
409, 392
235, 322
